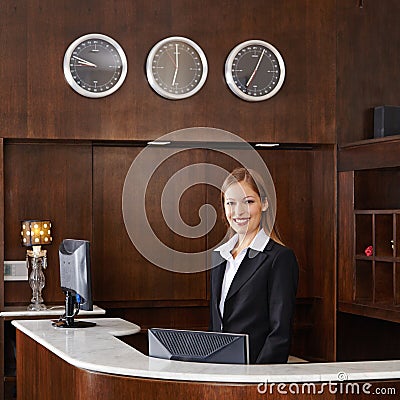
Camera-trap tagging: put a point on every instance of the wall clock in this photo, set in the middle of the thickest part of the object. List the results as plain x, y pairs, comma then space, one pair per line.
95, 65
176, 68
254, 70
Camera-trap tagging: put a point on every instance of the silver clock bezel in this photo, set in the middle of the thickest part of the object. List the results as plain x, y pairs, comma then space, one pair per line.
68, 75
229, 77
149, 71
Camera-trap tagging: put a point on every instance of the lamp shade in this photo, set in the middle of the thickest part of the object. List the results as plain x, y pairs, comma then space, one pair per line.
35, 232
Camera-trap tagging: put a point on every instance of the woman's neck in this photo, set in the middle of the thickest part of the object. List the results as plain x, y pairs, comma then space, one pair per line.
243, 242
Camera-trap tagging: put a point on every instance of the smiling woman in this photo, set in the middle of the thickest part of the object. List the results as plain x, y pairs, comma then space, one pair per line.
254, 281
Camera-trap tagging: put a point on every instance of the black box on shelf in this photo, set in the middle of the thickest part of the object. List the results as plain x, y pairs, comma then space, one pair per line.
386, 121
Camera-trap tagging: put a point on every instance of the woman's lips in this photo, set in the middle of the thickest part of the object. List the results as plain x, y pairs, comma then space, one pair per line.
241, 221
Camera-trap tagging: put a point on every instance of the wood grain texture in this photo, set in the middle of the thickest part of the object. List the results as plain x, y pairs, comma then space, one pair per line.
1, 220
46, 181
42, 104
2, 361
304, 183
346, 238
368, 61
13, 69
44, 376
323, 253
378, 153
379, 337
123, 273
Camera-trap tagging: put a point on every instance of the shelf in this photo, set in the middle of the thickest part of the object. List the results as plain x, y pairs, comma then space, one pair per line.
380, 311
369, 142
373, 258
380, 211
368, 154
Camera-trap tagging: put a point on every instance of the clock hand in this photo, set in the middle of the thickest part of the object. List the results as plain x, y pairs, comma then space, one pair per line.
255, 69
176, 65
173, 62
85, 62
175, 73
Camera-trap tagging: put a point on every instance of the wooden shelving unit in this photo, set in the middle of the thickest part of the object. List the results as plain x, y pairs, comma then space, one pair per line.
377, 275
369, 219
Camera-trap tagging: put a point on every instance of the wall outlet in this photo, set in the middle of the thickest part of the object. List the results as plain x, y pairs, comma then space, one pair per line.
15, 271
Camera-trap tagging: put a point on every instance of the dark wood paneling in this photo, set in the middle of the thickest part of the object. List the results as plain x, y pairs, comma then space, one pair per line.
379, 339
346, 236
377, 189
41, 104
368, 61
376, 153
304, 183
1, 220
46, 181
165, 316
13, 68
323, 253
122, 273
2, 364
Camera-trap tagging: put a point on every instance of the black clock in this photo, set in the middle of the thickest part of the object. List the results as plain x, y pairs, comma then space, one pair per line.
95, 65
254, 70
176, 68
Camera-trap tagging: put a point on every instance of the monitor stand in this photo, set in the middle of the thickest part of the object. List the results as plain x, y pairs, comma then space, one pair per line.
67, 320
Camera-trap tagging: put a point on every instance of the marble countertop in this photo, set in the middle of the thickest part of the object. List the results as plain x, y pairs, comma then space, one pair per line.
98, 349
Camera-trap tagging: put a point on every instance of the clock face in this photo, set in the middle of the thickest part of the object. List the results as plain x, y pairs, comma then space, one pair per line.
176, 68
254, 70
95, 65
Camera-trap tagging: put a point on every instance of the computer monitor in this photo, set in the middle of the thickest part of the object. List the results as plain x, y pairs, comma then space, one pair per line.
199, 346
75, 280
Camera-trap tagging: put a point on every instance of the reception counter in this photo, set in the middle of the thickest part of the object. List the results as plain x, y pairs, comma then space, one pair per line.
93, 363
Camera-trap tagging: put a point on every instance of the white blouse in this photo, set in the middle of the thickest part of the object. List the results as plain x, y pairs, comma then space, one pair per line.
258, 244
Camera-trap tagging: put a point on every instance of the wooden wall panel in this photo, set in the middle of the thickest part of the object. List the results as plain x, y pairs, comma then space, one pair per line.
323, 253
304, 183
346, 237
46, 181
43, 105
132, 277
1, 223
122, 273
368, 61
13, 69
379, 339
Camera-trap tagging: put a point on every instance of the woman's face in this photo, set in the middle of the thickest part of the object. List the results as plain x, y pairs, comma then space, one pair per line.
243, 208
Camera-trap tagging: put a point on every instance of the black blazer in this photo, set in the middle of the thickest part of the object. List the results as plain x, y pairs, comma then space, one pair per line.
260, 301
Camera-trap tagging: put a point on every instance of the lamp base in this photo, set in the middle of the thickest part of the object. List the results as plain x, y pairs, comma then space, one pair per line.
36, 307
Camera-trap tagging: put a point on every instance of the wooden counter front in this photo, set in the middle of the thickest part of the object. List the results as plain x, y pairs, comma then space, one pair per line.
42, 375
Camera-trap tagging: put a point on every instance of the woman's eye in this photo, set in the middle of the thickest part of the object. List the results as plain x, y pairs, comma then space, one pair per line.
249, 201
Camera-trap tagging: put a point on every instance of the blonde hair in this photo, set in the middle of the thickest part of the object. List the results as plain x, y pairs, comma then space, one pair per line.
257, 184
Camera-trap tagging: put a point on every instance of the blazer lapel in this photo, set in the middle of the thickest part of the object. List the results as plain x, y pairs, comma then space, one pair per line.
246, 270
217, 274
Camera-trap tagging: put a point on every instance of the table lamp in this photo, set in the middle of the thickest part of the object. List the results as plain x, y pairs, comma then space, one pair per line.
36, 233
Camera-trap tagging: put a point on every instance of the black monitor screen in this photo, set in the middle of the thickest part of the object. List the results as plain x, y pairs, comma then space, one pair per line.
198, 346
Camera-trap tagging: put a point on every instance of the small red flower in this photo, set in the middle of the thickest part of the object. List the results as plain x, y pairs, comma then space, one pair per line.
369, 251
